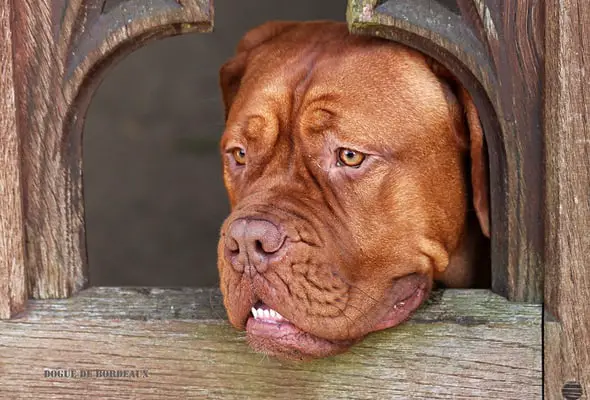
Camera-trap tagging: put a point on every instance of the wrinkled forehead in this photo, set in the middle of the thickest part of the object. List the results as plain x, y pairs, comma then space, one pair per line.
383, 76
351, 80
365, 71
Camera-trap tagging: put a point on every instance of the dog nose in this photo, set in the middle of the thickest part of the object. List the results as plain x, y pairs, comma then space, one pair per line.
251, 243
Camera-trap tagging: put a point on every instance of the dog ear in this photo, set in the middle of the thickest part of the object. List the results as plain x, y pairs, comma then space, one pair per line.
232, 71
479, 162
476, 145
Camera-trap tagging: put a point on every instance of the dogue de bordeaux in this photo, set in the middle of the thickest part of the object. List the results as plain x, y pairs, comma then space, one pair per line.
357, 176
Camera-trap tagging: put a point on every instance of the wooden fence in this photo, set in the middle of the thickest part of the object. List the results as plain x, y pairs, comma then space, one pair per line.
523, 61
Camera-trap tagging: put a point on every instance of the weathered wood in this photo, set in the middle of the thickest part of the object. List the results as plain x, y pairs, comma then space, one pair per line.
496, 50
567, 135
62, 49
462, 345
12, 256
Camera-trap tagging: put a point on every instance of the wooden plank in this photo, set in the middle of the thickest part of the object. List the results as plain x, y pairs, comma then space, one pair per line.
496, 50
462, 345
63, 49
12, 256
567, 135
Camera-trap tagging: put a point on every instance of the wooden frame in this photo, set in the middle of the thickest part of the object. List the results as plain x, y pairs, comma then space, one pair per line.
53, 54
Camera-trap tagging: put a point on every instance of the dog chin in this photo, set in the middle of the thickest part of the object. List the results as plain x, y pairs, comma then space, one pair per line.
270, 333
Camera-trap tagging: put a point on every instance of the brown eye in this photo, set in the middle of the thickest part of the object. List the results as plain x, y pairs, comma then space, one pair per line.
350, 158
239, 155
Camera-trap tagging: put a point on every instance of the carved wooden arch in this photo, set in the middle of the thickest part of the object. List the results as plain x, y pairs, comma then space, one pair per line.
496, 50
61, 49
55, 53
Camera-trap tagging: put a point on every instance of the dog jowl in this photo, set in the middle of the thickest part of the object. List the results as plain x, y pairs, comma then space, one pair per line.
356, 173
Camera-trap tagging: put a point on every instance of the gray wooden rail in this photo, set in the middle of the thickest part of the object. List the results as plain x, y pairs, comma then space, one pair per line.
461, 345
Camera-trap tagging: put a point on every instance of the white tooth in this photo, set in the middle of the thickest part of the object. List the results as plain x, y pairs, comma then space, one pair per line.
266, 314
273, 314
280, 317
254, 313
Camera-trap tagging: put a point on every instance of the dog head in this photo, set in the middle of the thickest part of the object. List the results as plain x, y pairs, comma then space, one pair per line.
350, 164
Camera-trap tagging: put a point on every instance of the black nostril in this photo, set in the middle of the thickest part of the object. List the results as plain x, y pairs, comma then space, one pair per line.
260, 248
232, 246
233, 252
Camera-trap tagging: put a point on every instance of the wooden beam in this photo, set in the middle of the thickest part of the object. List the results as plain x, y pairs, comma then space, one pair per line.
62, 50
567, 135
496, 50
462, 344
13, 293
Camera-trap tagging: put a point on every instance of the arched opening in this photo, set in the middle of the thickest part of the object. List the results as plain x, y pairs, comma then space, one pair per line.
154, 197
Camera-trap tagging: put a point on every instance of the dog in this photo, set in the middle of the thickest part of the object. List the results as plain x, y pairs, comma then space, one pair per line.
356, 171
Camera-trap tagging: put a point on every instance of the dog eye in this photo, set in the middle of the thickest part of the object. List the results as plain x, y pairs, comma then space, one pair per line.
350, 158
239, 155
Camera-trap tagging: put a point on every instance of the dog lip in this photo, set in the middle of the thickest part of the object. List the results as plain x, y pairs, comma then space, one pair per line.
403, 309
277, 336
286, 341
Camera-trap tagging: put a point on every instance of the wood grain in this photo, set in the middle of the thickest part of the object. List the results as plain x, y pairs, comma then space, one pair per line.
62, 50
12, 256
495, 48
462, 345
567, 134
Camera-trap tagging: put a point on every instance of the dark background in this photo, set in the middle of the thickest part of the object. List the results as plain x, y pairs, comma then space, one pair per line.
152, 174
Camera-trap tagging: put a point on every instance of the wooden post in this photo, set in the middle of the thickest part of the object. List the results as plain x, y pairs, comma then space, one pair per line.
496, 50
567, 135
13, 293
61, 50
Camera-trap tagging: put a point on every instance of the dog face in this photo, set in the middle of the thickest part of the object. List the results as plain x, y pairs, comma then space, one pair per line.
345, 160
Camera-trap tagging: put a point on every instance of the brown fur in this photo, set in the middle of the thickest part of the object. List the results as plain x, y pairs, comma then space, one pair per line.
295, 93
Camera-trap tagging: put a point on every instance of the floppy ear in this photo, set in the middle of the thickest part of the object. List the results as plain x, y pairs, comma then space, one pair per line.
477, 148
232, 71
479, 162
